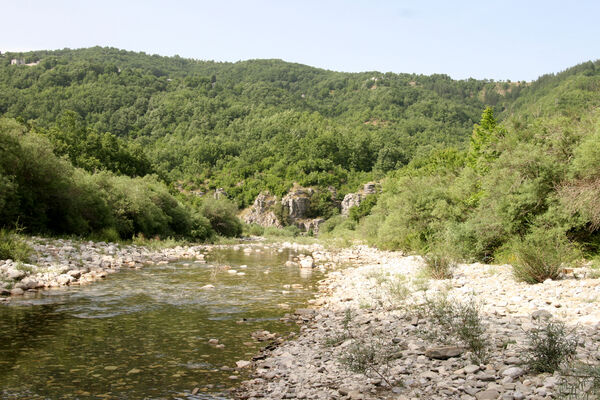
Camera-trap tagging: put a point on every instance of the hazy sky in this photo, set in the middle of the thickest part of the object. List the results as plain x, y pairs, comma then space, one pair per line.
517, 40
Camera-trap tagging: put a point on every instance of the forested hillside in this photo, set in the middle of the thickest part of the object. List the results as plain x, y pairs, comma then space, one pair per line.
526, 175
245, 126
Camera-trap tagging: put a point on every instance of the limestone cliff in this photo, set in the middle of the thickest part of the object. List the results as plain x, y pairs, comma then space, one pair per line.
354, 199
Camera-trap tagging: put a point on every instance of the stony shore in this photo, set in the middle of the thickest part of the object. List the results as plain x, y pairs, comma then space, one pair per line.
371, 300
59, 262
375, 303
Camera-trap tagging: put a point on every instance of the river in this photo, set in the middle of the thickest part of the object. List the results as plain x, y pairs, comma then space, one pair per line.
144, 334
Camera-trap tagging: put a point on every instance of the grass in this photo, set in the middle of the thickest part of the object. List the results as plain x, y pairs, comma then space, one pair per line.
345, 334
439, 265
456, 321
580, 383
13, 246
370, 357
539, 258
550, 346
157, 243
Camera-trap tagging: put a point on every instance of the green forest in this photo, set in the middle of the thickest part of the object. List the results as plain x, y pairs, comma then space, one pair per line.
109, 143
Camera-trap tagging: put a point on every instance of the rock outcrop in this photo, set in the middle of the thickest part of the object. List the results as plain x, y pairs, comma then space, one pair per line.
354, 199
295, 206
261, 212
297, 202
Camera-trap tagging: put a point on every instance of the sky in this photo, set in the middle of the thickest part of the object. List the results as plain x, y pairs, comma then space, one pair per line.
500, 40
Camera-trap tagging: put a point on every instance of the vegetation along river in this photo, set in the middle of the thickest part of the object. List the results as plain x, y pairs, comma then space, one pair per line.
145, 333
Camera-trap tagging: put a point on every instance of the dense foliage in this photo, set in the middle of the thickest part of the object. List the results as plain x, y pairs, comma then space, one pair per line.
108, 140
524, 191
48, 194
246, 126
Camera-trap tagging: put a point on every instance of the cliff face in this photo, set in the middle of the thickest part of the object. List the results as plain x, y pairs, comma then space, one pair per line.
261, 212
294, 209
354, 199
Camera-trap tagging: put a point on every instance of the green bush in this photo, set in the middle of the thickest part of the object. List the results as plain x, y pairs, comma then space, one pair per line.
253, 230
439, 265
453, 320
356, 213
290, 231
540, 256
550, 346
13, 246
222, 216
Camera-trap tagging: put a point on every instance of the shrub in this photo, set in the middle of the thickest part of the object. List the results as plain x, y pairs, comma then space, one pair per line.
540, 256
288, 231
439, 265
13, 246
457, 321
222, 216
580, 383
253, 230
370, 356
550, 346
363, 209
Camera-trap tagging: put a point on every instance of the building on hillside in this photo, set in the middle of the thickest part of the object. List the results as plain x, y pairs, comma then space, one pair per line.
17, 61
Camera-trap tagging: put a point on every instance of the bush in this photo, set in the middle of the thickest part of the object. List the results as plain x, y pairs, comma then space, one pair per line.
222, 214
550, 346
540, 256
363, 209
439, 265
289, 231
13, 246
370, 357
253, 230
456, 320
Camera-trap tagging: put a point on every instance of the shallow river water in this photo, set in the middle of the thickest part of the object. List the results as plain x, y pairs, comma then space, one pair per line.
143, 334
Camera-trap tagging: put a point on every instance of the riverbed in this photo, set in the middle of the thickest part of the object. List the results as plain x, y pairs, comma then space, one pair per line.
145, 333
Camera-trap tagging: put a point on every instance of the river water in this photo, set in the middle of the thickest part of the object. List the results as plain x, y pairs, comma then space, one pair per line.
143, 334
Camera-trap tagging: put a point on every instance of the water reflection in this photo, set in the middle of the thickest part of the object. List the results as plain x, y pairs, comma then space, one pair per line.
144, 334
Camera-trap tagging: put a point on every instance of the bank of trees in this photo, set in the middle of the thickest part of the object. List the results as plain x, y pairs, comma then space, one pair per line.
110, 135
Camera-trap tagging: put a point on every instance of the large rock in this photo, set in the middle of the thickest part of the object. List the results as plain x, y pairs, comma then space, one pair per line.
297, 202
444, 352
261, 212
310, 225
350, 200
354, 199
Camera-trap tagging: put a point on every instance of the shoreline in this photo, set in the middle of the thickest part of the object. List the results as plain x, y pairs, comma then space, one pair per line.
375, 303
58, 263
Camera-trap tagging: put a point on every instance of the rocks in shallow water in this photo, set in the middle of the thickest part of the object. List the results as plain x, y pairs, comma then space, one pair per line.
444, 352
207, 287
307, 262
242, 364
58, 262
16, 292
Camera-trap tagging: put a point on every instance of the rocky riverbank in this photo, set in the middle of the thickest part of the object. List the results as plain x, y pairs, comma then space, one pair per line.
58, 262
374, 314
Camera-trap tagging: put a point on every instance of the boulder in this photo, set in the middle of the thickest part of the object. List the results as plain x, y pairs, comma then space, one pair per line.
15, 274
297, 202
444, 352
261, 212
350, 200
354, 199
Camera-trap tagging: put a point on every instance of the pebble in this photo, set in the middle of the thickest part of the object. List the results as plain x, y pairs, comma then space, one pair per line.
424, 369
